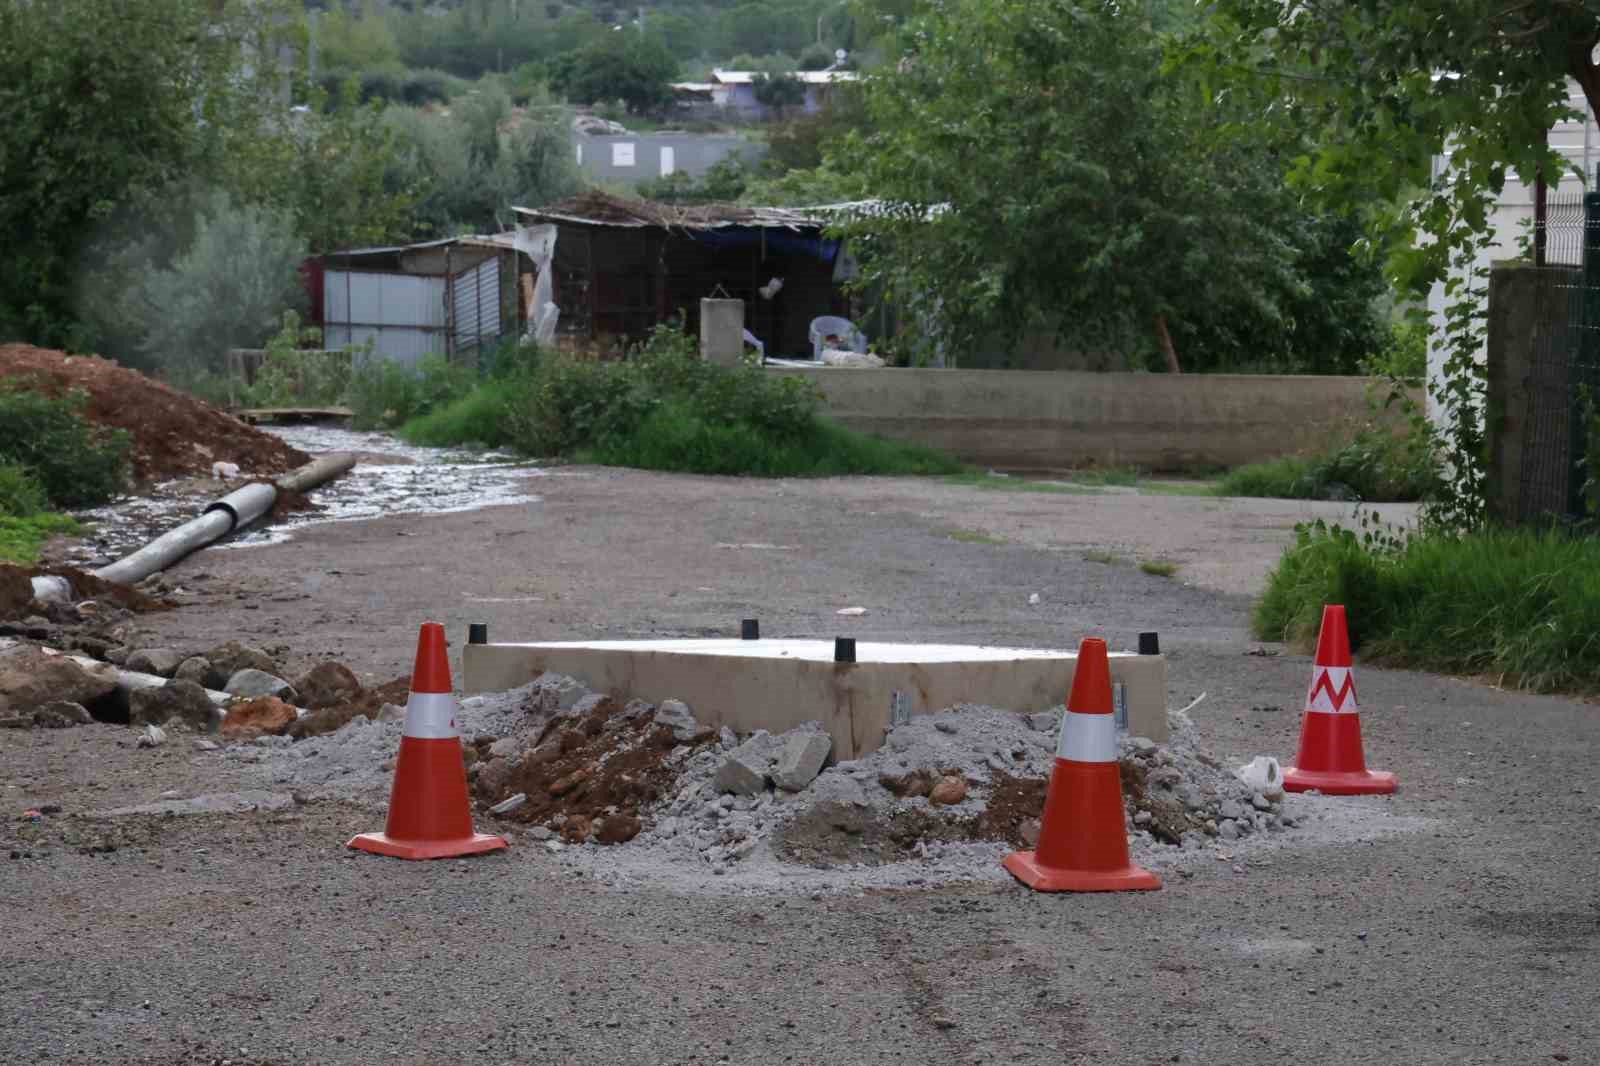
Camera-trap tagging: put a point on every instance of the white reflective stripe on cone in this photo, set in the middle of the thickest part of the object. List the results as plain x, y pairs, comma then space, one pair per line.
1333, 690
431, 716
1088, 737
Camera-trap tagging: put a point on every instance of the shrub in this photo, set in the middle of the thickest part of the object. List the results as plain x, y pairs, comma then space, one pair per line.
289, 374
21, 495
75, 463
1519, 604
385, 393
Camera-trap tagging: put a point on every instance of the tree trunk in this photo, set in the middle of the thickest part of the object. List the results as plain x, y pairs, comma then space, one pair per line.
1580, 64
1167, 349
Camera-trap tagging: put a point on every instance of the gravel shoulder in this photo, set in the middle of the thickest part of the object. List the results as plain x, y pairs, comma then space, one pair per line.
1473, 936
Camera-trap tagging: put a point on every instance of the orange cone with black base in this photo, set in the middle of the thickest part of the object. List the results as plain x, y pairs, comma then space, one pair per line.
1331, 759
429, 814
1083, 845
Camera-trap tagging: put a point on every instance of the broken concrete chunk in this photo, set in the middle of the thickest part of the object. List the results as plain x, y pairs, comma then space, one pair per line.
800, 759
676, 716
1044, 721
744, 770
163, 662
252, 683
511, 803
558, 692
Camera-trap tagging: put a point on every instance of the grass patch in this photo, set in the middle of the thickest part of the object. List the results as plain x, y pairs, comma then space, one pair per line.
1377, 467
1121, 476
1100, 556
1180, 488
1159, 567
975, 536
479, 417
21, 538
676, 437
1524, 606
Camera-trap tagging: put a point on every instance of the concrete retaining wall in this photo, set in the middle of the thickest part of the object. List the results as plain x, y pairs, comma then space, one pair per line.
1033, 420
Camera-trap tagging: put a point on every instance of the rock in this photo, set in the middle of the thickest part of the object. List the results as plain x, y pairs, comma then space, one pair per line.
58, 714
1142, 745
948, 792
201, 744
1045, 721
541, 832
1228, 829
228, 659
163, 662
1142, 818
838, 789
193, 669
251, 683
184, 700
118, 654
267, 716
1029, 830
505, 748
326, 685
30, 679
727, 738
566, 784
595, 703
1260, 803
558, 692
616, 828
1231, 810
506, 806
801, 757
945, 727
577, 829
744, 770
909, 784
675, 715
391, 712
152, 737
493, 777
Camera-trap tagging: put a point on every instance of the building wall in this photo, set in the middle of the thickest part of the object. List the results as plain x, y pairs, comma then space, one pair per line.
633, 157
1035, 420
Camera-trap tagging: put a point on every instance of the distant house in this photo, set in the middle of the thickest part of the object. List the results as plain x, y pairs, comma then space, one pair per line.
734, 90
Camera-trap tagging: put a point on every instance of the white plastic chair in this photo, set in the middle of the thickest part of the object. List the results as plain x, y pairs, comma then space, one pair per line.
841, 328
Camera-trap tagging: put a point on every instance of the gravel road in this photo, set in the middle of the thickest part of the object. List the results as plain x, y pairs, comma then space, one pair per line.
258, 939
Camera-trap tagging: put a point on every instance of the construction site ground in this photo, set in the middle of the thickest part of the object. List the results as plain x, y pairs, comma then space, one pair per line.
1471, 937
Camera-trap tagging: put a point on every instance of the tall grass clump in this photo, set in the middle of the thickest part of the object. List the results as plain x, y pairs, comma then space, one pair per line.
1377, 467
1521, 605
74, 462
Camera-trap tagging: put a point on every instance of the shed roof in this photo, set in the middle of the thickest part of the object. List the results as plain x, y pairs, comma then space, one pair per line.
601, 209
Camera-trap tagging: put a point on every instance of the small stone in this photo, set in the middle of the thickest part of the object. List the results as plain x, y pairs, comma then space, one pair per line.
541, 832
59, 714
391, 712
506, 806
201, 744
1260, 802
252, 683
949, 791
1228, 829
152, 737
617, 829
193, 669
1029, 830
176, 699
162, 662
504, 748
1231, 809
566, 784
1142, 745
1142, 818
727, 738
326, 685
228, 659
945, 727
553, 846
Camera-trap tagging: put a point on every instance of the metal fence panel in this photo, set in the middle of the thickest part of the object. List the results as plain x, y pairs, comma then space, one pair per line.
476, 301
402, 315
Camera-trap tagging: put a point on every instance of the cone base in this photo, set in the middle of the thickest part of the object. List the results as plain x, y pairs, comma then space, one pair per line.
1340, 782
1025, 867
384, 844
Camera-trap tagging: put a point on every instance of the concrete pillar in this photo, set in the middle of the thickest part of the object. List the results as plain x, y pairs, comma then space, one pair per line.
722, 331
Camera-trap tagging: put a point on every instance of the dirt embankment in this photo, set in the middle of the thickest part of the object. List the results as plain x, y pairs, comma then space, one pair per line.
172, 433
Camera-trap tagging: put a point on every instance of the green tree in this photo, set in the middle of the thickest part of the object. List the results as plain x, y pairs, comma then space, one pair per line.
623, 65
1044, 174
779, 92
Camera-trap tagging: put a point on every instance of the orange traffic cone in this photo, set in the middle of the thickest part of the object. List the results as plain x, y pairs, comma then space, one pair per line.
429, 816
1330, 758
1083, 846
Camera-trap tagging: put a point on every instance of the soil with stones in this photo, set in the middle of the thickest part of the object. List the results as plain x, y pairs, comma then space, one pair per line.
172, 433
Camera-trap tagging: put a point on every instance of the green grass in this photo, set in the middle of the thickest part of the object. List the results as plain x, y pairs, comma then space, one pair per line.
975, 536
676, 437
1523, 606
1100, 556
1180, 488
1159, 567
21, 538
478, 417
1122, 476
1376, 467
993, 482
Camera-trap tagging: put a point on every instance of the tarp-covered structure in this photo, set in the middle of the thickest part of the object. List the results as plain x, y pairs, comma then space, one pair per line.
620, 267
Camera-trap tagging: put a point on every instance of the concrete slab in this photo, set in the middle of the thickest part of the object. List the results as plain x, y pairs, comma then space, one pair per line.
779, 684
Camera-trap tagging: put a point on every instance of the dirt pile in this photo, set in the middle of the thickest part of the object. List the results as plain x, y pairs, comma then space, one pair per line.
172, 434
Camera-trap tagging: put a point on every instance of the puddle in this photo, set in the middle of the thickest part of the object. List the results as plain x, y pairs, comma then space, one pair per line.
391, 478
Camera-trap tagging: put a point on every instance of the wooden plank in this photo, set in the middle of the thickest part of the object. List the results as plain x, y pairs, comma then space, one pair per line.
292, 414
